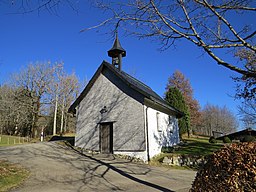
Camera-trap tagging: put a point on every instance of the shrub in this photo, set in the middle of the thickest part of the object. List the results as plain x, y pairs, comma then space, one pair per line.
248, 138
167, 149
226, 140
228, 170
212, 140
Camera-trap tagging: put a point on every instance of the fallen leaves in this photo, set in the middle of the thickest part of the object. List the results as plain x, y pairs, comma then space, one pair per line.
233, 168
8, 169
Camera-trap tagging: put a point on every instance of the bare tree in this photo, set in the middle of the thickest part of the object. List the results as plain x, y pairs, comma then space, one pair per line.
69, 88
63, 91
246, 86
247, 113
26, 102
15, 117
5, 109
55, 90
217, 118
246, 89
205, 23
35, 82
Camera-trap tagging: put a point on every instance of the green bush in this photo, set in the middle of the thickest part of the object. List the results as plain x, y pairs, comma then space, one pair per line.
212, 140
167, 149
226, 140
248, 138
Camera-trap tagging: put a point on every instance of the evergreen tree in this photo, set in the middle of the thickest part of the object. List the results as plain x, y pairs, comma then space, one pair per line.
183, 84
174, 97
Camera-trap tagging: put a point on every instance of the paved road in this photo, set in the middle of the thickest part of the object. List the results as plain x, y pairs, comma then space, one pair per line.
56, 168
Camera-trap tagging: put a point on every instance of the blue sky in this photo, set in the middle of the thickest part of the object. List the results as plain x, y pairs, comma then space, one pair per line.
48, 37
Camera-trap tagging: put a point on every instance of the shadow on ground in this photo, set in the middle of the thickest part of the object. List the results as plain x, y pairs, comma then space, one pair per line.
70, 140
121, 172
57, 167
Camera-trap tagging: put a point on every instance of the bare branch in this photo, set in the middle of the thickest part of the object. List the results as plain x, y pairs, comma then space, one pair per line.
97, 26
235, 8
187, 36
205, 3
225, 46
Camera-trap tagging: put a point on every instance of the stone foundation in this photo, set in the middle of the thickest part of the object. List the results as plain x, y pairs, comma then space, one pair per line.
184, 160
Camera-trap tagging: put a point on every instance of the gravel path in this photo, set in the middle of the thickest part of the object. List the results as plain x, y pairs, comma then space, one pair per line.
56, 168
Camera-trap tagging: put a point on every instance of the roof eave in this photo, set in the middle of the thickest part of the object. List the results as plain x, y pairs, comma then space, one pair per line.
86, 89
165, 108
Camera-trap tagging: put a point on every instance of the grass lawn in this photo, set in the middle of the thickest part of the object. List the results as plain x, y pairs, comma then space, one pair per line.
6, 140
193, 146
198, 146
11, 175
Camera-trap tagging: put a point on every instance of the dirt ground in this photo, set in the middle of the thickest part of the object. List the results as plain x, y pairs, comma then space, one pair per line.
57, 168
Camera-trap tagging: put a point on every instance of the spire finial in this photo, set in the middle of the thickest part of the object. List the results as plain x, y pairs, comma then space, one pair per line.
116, 32
117, 52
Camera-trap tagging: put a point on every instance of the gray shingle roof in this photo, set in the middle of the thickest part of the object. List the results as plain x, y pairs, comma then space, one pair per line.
132, 82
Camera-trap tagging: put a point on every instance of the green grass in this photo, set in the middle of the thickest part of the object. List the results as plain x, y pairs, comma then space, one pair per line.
6, 140
156, 162
194, 146
197, 146
69, 135
11, 175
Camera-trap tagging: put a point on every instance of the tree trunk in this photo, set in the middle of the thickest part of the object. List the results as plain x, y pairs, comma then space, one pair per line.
35, 117
65, 122
62, 117
55, 115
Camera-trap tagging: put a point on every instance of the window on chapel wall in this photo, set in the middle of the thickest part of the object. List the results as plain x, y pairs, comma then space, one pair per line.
171, 124
158, 121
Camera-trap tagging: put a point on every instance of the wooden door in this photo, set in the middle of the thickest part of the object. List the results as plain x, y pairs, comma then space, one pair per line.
106, 138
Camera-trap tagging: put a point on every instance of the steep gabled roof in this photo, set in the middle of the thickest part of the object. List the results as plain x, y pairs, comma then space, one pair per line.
131, 82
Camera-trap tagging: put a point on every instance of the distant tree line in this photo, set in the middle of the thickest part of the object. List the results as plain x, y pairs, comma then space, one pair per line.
37, 99
216, 118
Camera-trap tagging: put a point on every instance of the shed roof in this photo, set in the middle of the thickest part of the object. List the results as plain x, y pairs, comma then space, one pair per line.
248, 131
132, 82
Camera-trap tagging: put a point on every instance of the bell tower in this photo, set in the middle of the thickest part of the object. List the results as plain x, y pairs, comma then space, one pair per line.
117, 52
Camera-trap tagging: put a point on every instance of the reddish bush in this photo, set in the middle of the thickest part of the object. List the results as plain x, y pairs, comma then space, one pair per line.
233, 168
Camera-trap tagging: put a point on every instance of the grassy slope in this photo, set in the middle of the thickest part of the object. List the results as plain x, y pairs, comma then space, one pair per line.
198, 146
10, 140
11, 175
195, 146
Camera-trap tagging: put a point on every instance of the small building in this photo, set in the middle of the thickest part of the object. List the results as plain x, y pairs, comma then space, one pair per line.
239, 135
217, 134
119, 114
